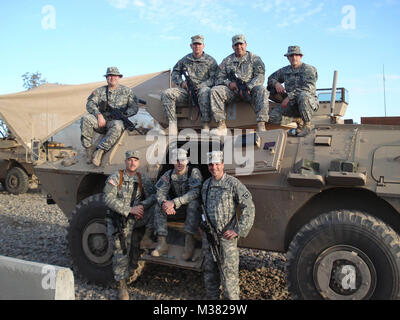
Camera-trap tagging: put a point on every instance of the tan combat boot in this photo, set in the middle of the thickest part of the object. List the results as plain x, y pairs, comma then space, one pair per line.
306, 130
97, 156
189, 247
261, 126
300, 125
146, 242
162, 247
123, 293
221, 130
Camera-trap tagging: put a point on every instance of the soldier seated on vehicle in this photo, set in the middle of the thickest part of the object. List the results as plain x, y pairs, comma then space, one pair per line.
298, 98
130, 197
250, 69
201, 69
99, 106
178, 192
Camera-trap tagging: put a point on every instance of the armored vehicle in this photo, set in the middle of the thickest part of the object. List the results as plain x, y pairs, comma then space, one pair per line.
330, 200
17, 163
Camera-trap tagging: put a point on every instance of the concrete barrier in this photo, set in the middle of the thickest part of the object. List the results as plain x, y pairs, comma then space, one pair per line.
26, 280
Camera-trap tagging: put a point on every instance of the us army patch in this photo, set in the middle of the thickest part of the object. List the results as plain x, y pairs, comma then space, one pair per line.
111, 181
159, 184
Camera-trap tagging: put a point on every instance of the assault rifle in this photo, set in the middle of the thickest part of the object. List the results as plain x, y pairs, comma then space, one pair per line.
242, 85
212, 239
117, 114
119, 223
194, 98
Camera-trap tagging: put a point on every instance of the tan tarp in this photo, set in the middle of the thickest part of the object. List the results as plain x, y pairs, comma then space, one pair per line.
42, 112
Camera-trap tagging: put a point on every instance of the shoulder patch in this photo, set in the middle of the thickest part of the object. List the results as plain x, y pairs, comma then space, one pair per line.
246, 195
112, 182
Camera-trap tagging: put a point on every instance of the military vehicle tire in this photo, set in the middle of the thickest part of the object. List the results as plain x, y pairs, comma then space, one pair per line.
17, 181
87, 241
344, 255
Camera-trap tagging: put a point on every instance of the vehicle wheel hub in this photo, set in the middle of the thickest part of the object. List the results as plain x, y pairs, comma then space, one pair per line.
344, 273
13, 181
95, 243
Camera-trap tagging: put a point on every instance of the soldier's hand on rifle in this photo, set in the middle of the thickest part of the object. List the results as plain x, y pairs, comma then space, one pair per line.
279, 88
242, 95
233, 86
285, 103
101, 121
184, 85
137, 212
230, 234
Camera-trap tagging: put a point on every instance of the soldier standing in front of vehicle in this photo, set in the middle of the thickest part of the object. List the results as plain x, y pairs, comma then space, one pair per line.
98, 119
249, 68
178, 195
202, 69
298, 98
129, 195
221, 195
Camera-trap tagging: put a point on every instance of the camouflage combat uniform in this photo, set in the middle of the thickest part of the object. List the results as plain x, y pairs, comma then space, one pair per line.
202, 72
186, 194
122, 98
300, 86
251, 70
121, 202
221, 199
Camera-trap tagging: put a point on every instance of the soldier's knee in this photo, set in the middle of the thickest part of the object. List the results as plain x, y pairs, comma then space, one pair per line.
117, 126
303, 98
215, 91
258, 90
168, 94
88, 120
205, 91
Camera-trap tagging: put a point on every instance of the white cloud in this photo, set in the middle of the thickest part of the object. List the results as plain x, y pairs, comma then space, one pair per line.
169, 38
139, 3
120, 4
289, 12
174, 14
392, 77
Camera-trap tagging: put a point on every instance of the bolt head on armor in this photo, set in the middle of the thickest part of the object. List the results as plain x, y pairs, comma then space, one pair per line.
293, 50
113, 71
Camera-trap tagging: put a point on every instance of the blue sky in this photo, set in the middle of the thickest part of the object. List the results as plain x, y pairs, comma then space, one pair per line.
72, 42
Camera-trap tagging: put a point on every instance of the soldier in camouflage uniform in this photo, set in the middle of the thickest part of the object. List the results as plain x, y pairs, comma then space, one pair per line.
98, 118
202, 69
221, 195
298, 98
251, 70
178, 193
130, 196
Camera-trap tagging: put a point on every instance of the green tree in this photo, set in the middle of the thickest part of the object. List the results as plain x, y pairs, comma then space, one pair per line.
32, 80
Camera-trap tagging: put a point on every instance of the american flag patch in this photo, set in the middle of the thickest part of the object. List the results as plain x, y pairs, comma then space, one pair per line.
111, 181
